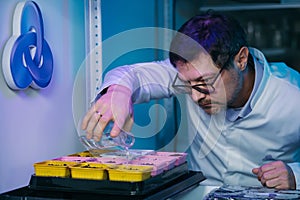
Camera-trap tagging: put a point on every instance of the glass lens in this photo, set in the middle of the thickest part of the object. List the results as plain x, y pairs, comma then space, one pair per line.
181, 86
206, 89
183, 89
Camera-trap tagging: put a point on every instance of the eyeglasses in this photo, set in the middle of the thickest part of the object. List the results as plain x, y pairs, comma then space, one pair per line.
184, 87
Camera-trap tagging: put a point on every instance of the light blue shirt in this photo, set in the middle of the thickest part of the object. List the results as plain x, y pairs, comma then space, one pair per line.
233, 114
223, 148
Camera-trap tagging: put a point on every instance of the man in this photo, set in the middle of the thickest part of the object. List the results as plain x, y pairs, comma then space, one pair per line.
244, 130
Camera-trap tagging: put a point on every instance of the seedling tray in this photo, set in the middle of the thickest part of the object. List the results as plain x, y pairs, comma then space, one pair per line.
164, 181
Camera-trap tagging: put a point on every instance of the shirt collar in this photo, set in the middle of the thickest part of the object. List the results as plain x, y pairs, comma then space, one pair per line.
232, 114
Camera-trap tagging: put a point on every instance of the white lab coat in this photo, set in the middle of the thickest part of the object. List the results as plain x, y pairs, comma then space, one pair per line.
223, 150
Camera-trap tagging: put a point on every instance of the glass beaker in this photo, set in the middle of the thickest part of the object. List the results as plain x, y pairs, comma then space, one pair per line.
123, 141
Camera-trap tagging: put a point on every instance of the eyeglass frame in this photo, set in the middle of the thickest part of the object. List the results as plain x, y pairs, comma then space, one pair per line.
197, 86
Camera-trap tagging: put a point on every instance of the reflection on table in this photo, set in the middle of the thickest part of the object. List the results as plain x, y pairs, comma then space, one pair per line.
194, 193
228, 192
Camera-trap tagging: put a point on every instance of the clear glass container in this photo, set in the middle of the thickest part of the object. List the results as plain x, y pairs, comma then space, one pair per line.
122, 142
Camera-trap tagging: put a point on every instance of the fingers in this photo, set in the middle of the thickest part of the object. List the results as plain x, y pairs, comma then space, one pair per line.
126, 126
255, 171
114, 106
275, 175
92, 123
264, 171
87, 117
90, 120
274, 183
95, 122
96, 133
101, 126
115, 131
270, 178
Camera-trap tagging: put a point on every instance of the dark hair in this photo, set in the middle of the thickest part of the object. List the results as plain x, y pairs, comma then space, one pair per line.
219, 35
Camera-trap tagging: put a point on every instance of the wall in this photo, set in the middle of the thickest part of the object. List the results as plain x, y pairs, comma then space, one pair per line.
38, 124
119, 16
274, 29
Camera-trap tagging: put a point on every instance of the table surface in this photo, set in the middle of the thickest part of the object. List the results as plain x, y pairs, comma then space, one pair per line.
238, 192
198, 192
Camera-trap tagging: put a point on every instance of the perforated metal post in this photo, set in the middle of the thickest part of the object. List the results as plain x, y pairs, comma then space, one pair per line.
93, 49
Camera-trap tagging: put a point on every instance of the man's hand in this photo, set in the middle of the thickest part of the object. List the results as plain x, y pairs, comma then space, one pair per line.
276, 174
115, 105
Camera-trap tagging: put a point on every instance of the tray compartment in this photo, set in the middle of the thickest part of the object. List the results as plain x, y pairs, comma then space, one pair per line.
87, 170
130, 173
180, 157
54, 168
158, 166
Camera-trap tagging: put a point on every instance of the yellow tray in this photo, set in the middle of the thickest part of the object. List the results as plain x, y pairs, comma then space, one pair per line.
129, 173
53, 168
95, 171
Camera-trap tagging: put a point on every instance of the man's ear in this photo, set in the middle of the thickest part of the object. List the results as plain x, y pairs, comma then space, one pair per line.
241, 58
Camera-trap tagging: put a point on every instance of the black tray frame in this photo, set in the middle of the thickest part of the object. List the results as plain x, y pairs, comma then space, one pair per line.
182, 184
175, 179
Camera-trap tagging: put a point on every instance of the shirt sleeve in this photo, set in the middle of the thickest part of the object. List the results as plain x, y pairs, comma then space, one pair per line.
147, 81
296, 170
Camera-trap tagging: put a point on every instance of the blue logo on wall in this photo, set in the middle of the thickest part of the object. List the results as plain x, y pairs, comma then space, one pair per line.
27, 58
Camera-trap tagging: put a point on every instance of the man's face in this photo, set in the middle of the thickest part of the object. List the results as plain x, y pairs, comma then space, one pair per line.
227, 85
